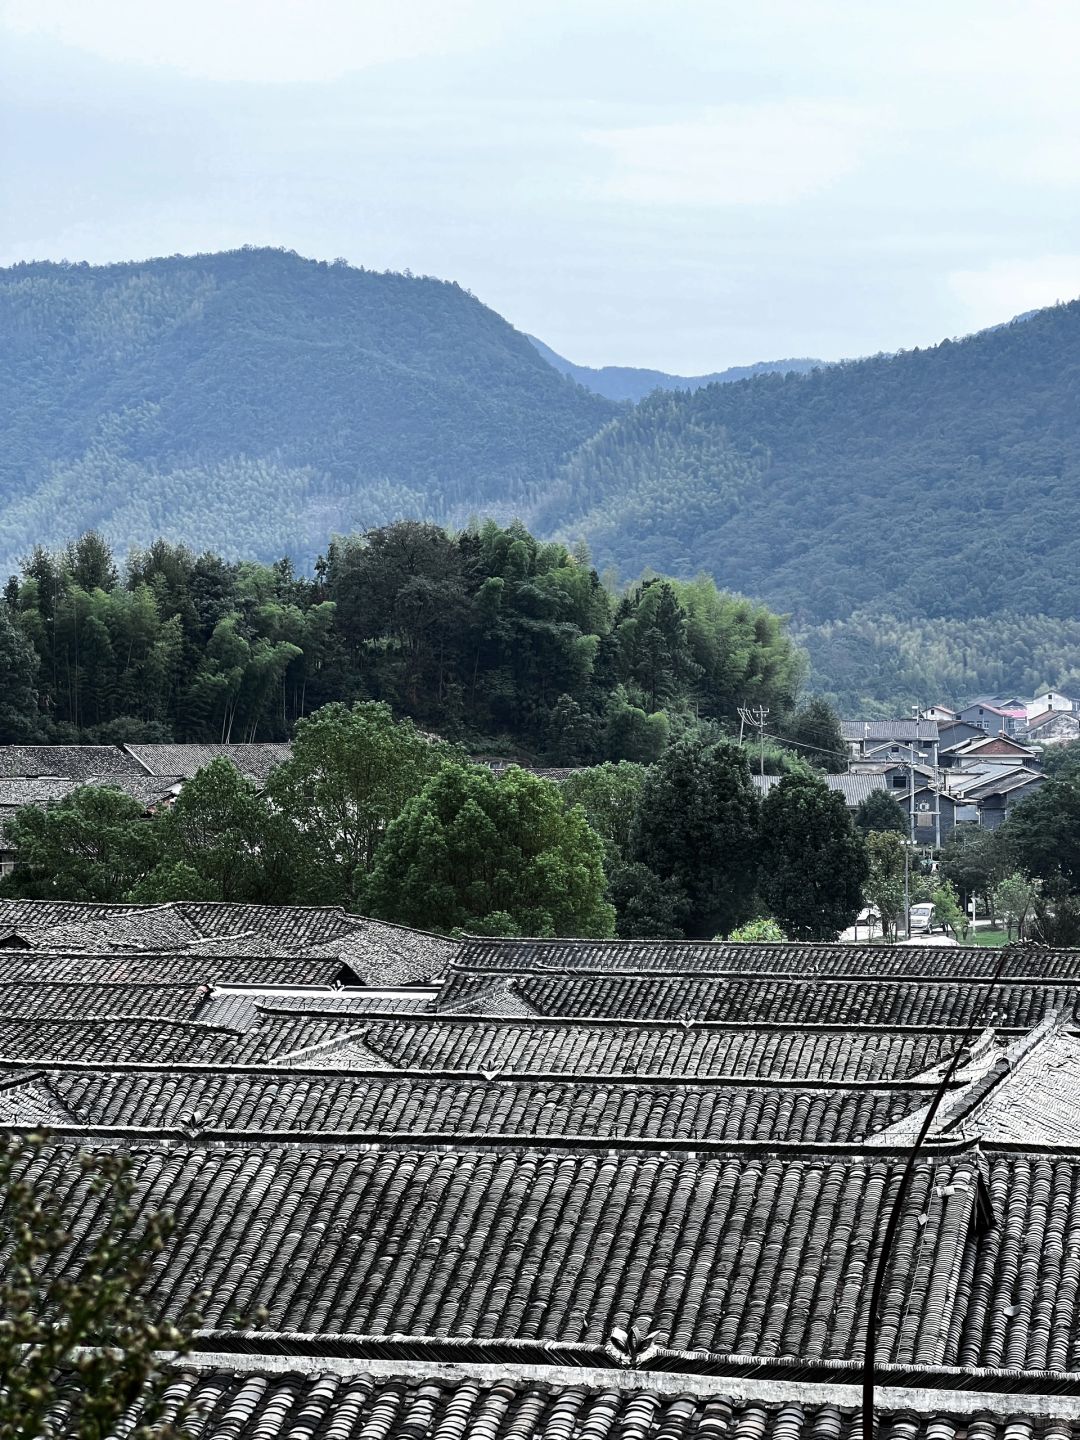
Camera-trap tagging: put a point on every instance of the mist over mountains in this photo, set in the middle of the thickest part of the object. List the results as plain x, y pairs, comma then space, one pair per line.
253, 402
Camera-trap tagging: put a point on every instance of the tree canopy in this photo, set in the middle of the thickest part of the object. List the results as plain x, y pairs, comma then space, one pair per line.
813, 860
491, 856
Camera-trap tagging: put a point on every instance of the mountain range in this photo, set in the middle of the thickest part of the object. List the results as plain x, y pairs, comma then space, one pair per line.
629, 383
255, 402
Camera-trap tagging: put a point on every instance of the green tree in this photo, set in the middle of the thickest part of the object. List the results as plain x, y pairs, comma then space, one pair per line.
646, 907
95, 844
222, 841
92, 1326
763, 930
608, 794
949, 912
815, 730
880, 812
971, 861
813, 860
471, 850
631, 734
19, 720
350, 774
884, 886
1042, 834
1014, 895
696, 827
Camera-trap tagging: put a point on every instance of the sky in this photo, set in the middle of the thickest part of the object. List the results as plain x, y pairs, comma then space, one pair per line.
678, 184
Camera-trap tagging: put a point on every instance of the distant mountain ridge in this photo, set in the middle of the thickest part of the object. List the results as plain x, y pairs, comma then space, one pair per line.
628, 383
932, 482
255, 402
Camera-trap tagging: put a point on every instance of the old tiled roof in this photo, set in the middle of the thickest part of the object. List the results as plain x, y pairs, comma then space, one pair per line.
682, 1111
72, 762
27, 1099
574, 1247
254, 760
112, 1038
708, 957
765, 998
587, 1048
256, 1402
38, 999
906, 730
169, 967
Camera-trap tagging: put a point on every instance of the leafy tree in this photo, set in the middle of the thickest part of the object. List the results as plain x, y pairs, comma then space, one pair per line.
949, 912
880, 812
1042, 834
971, 862
763, 930
1014, 895
696, 827
95, 844
608, 794
91, 1326
349, 776
884, 886
18, 691
222, 841
573, 733
813, 860
647, 907
815, 730
470, 850
631, 734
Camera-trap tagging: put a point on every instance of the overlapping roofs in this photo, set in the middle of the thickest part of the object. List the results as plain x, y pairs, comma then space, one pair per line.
697, 1253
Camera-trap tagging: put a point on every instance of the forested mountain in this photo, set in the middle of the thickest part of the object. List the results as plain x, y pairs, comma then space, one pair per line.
936, 482
254, 402
630, 383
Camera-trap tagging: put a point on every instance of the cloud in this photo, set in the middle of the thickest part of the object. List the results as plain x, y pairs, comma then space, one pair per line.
271, 41
745, 154
1004, 288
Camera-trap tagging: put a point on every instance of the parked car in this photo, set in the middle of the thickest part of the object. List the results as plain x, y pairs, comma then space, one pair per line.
921, 918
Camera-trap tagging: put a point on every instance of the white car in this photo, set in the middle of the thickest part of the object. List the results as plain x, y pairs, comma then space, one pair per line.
921, 918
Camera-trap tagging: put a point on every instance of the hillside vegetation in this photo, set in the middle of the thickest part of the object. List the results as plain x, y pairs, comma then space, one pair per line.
934, 482
254, 402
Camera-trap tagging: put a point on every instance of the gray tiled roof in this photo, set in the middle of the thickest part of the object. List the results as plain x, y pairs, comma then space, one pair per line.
588, 1048
905, 730
809, 961
571, 1247
253, 760
250, 1401
82, 763
680, 1111
765, 998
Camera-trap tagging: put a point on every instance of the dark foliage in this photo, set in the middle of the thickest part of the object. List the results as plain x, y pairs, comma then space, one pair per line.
813, 860
486, 634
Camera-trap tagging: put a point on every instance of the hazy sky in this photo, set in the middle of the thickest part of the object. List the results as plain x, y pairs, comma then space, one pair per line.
685, 184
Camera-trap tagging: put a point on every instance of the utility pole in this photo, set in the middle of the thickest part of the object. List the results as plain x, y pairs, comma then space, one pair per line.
755, 716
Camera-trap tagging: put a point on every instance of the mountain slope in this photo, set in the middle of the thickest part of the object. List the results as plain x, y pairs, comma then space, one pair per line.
255, 401
936, 482
628, 383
